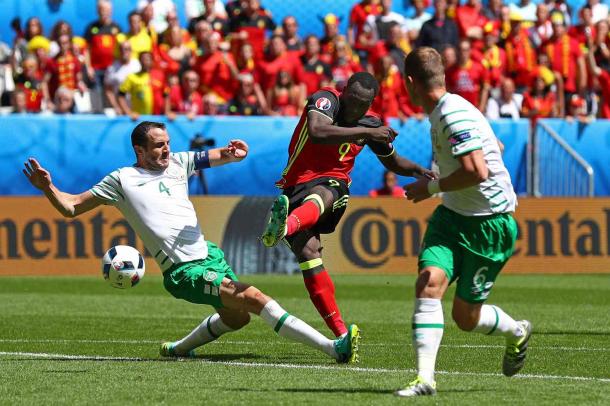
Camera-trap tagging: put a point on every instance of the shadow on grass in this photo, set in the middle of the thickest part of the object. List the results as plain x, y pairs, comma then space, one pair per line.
572, 333
209, 358
369, 390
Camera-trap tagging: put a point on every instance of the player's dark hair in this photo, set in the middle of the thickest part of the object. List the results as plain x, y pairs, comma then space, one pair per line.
425, 66
139, 135
366, 80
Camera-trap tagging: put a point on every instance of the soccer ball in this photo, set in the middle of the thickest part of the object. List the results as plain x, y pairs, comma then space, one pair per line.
123, 266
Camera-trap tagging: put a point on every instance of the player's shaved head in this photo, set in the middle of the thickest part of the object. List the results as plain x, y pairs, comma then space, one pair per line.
365, 80
139, 135
425, 66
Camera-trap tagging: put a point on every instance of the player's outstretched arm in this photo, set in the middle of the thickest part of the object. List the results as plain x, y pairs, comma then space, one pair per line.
322, 131
67, 204
473, 170
404, 167
235, 151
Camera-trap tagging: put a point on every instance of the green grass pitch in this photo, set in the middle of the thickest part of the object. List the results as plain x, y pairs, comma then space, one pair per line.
75, 340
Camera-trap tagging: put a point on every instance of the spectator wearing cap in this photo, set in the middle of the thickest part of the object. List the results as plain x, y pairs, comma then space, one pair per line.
507, 104
249, 99
566, 57
184, 98
526, 9
331, 33
540, 101
468, 78
493, 57
414, 23
251, 25
520, 53
315, 73
439, 30
101, 37
117, 73
542, 30
599, 10
290, 34
357, 19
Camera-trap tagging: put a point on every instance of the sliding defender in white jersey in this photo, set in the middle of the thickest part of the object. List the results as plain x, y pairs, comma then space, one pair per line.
471, 235
153, 196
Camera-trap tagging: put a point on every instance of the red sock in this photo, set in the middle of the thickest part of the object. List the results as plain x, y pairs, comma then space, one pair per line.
303, 217
322, 294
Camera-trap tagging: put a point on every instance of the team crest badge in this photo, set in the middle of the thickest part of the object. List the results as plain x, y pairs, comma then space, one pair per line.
323, 104
210, 276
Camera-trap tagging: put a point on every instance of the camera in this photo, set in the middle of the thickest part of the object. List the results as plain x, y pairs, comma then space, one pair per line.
200, 143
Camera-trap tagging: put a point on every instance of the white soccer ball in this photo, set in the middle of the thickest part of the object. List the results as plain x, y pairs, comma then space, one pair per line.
123, 266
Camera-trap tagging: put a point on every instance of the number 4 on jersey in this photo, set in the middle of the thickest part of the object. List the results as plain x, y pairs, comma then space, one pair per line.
164, 189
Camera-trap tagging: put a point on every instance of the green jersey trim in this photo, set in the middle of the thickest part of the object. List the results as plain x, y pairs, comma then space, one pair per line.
464, 120
450, 113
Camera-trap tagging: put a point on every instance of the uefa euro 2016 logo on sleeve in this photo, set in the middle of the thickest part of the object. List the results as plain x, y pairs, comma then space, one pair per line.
323, 104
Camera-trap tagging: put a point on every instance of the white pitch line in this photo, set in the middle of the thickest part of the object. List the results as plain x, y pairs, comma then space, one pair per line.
233, 342
61, 357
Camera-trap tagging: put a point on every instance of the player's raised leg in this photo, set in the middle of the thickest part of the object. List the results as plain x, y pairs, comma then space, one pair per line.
428, 325
210, 329
237, 295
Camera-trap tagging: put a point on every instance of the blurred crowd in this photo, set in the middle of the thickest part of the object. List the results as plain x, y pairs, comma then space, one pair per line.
512, 61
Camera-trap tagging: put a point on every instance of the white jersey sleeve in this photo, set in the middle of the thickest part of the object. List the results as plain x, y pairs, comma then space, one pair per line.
109, 189
186, 160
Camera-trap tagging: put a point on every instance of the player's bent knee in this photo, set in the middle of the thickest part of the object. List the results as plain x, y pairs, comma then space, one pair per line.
464, 322
255, 300
431, 283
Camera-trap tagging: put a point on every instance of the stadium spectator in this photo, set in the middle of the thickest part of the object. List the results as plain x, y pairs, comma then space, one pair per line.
211, 105
184, 98
251, 25
331, 34
562, 7
117, 73
29, 81
60, 28
99, 55
566, 57
599, 10
470, 21
290, 34
343, 64
356, 36
601, 45
585, 28
196, 8
63, 101
278, 59
414, 23
245, 61
216, 68
217, 18
540, 101
377, 27
137, 35
33, 28
389, 186
439, 30
542, 30
174, 56
468, 78
391, 101
398, 45
284, 98
494, 57
145, 89
603, 81
520, 54
6, 75
159, 10
507, 104
526, 9
249, 100
63, 70
493, 10
315, 73
147, 14
19, 102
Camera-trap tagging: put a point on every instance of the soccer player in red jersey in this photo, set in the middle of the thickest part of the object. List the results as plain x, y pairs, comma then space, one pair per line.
332, 130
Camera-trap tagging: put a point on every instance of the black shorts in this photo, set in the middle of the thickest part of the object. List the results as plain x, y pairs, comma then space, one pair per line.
332, 216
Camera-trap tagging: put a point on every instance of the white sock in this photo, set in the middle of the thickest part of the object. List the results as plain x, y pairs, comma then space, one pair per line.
428, 324
493, 321
209, 330
296, 329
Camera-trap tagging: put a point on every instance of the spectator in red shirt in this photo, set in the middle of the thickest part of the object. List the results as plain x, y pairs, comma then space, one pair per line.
566, 57
585, 28
470, 21
101, 37
315, 73
251, 25
520, 54
603, 82
389, 188
468, 78
344, 63
357, 19
392, 100
63, 70
30, 82
290, 34
494, 57
174, 56
184, 98
245, 61
216, 68
278, 59
284, 99
540, 101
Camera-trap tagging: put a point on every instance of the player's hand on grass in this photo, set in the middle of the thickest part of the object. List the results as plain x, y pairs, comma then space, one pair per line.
39, 177
236, 150
418, 190
382, 134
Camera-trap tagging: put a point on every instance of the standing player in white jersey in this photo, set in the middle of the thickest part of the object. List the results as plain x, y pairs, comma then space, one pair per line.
153, 197
471, 236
